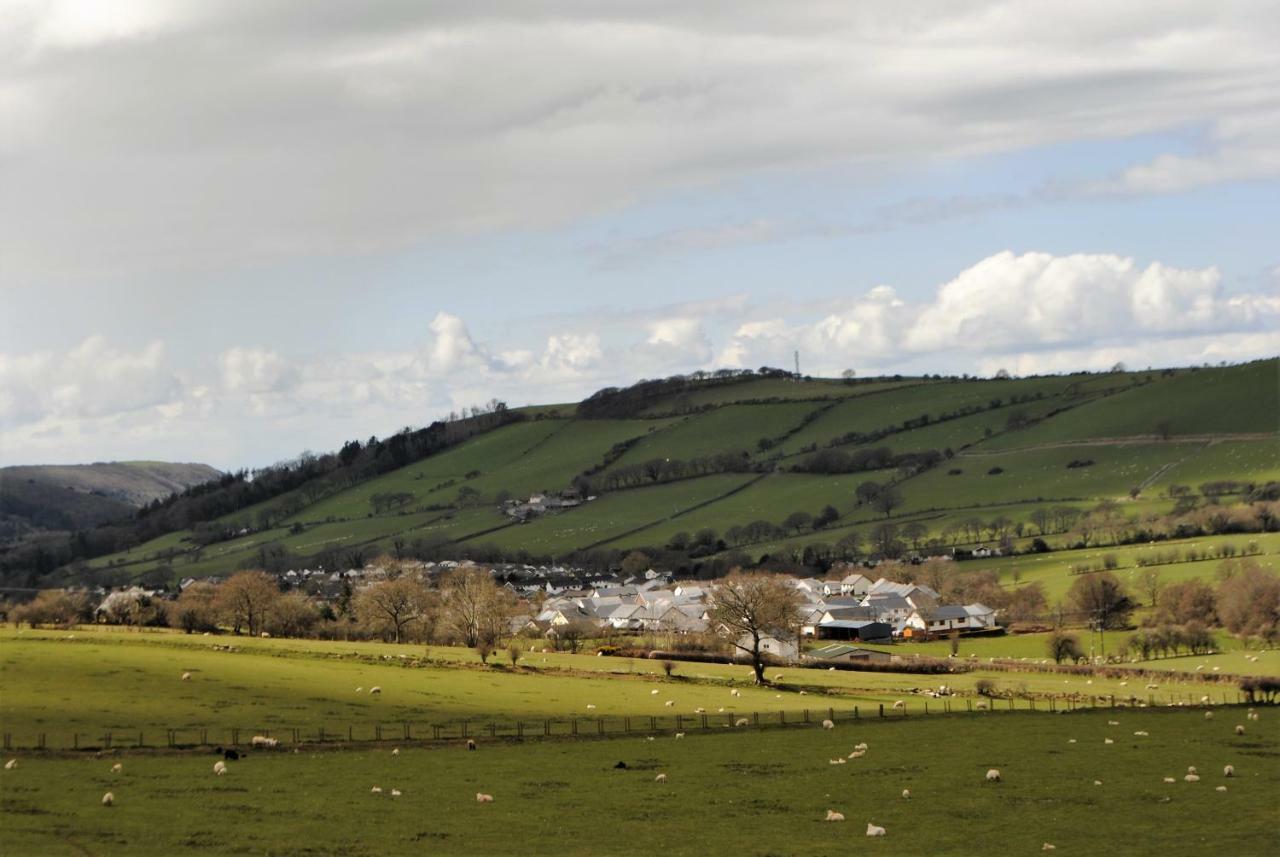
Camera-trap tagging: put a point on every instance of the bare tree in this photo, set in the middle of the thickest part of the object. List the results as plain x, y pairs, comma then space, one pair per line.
245, 599
749, 607
389, 606
474, 608
1151, 584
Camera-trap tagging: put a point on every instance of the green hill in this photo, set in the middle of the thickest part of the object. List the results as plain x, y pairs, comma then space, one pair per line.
708, 466
69, 497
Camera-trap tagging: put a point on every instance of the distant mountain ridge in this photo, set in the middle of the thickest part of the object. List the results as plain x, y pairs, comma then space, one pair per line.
72, 496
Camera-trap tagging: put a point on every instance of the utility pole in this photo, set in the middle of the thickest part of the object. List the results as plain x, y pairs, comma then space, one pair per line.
797, 365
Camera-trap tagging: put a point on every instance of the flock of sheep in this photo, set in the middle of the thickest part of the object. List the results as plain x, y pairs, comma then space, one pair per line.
993, 776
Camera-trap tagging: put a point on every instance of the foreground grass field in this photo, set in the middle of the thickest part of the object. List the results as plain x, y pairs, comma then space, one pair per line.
728, 792
74, 688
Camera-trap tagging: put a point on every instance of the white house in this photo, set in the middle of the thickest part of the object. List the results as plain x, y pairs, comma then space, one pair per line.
782, 649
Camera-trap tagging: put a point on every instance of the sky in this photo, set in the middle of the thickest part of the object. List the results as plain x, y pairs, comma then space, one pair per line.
233, 231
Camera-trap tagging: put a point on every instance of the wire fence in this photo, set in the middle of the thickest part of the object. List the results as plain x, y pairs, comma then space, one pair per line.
330, 735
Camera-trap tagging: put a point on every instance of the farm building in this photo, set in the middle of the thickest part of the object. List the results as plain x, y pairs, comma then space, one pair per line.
842, 653
855, 629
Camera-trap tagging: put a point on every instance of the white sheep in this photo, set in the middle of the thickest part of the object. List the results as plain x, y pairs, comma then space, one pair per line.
741, 721
857, 754
899, 705
1113, 722
117, 767
1192, 778
982, 705
360, 689
108, 799
654, 692
1169, 780
832, 815
993, 775
1097, 782
1208, 715
874, 830
837, 761
660, 778
1048, 846
732, 692
862, 746
1191, 769
1220, 789
1142, 733
375, 689
669, 703
590, 707
1239, 729
264, 742
11, 764
679, 735
395, 793
219, 767
906, 794
481, 797
699, 710
1229, 771
396, 751
1107, 741
1071, 740
827, 724
186, 676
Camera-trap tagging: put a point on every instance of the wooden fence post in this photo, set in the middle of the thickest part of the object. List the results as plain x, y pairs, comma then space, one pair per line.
882, 709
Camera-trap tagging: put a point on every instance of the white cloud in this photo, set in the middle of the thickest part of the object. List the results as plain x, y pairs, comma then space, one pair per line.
257, 370
1030, 312
305, 130
92, 379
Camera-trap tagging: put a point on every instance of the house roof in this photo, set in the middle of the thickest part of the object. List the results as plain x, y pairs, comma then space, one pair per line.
852, 624
838, 650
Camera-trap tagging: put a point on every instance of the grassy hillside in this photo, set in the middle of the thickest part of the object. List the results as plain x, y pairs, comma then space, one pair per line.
1013, 443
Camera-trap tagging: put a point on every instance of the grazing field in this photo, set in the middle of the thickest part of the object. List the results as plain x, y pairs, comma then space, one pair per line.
774, 388
1054, 569
726, 792
1040, 474
1230, 399
76, 686
611, 516
892, 408
732, 428
1242, 460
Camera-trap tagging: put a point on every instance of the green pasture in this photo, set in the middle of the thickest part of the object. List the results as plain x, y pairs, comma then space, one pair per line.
486, 453
1228, 399
771, 499
1037, 475
612, 515
725, 429
726, 792
775, 388
1239, 460
87, 682
1053, 570
891, 408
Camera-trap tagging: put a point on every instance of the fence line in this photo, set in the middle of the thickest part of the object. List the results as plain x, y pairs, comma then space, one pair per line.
575, 727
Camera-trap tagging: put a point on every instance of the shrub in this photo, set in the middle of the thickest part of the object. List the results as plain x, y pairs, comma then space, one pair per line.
985, 687
669, 668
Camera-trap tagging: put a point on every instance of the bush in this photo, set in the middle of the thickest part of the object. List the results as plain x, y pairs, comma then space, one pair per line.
669, 668
985, 687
